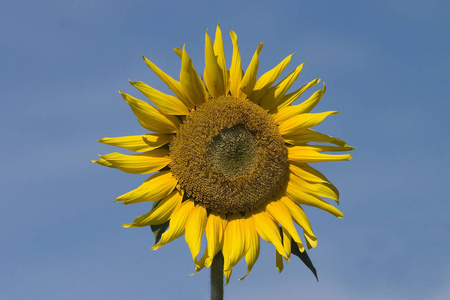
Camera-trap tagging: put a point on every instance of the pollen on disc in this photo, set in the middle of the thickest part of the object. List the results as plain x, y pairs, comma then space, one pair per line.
229, 155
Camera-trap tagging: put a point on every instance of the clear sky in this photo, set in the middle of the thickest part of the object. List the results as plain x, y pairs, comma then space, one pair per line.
62, 63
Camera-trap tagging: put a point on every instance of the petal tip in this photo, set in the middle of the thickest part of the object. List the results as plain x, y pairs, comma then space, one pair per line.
156, 247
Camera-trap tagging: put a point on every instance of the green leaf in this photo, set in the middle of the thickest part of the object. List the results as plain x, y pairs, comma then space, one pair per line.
158, 230
304, 257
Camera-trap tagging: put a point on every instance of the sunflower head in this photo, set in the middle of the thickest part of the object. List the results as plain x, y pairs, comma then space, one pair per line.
231, 155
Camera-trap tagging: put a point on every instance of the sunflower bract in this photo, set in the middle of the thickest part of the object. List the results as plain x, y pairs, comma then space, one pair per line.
232, 158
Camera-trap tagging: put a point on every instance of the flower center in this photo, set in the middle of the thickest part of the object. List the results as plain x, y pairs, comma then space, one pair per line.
229, 155
233, 150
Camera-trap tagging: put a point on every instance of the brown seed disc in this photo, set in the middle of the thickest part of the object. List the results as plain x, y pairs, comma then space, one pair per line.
229, 155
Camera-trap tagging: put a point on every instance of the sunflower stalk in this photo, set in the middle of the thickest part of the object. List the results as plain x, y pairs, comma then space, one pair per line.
217, 277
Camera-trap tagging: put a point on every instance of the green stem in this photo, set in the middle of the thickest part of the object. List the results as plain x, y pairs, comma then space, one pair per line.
217, 277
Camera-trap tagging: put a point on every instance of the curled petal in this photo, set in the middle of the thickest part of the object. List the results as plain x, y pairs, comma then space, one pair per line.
150, 118
286, 243
307, 154
300, 218
290, 98
319, 189
308, 135
195, 227
159, 214
227, 275
177, 223
281, 214
234, 241
288, 112
252, 240
167, 104
295, 192
236, 72
103, 162
215, 228
178, 52
272, 99
138, 143
267, 79
154, 188
173, 84
249, 79
213, 73
142, 163
308, 173
279, 261
220, 54
299, 123
267, 229
191, 83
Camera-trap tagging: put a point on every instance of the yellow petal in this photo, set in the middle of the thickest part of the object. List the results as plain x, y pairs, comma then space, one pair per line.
159, 214
137, 143
178, 52
270, 101
300, 218
167, 104
308, 173
191, 83
267, 229
267, 79
249, 79
281, 214
103, 162
306, 154
322, 148
174, 85
233, 242
279, 261
154, 188
290, 98
308, 135
200, 264
299, 123
220, 54
177, 223
215, 228
288, 112
195, 227
236, 72
252, 239
227, 276
287, 243
319, 189
150, 118
295, 192
142, 163
213, 74
311, 102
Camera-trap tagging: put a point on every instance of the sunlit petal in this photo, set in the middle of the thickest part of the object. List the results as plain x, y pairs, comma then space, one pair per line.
138, 143
150, 118
155, 188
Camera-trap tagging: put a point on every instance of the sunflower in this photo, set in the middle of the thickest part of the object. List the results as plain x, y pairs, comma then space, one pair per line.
231, 155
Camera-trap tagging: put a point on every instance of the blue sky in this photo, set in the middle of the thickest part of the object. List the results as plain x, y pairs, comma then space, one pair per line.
62, 63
